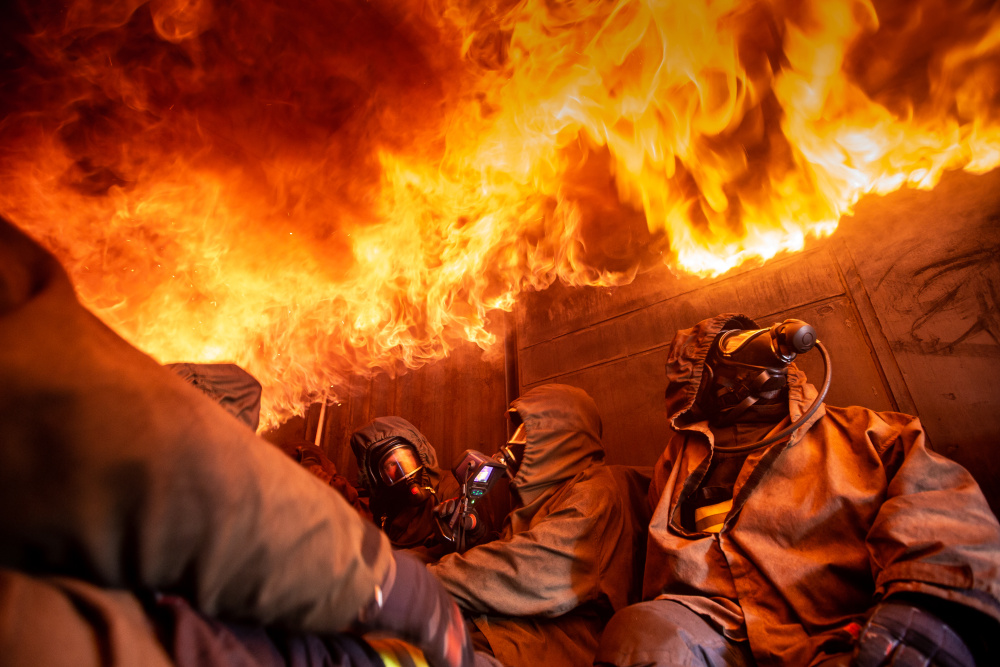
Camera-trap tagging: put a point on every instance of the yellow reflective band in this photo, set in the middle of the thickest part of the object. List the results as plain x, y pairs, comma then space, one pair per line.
397, 653
709, 519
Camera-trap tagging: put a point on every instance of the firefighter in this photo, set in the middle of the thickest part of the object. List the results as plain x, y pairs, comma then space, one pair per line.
398, 469
314, 459
790, 532
127, 495
566, 558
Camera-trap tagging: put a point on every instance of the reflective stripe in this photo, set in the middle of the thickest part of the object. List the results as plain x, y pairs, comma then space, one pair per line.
709, 519
397, 653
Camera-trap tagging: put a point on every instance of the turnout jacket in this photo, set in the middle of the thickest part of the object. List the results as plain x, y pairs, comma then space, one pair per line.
570, 553
117, 477
852, 508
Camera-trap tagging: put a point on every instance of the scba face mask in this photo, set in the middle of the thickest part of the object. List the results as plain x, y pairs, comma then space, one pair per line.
397, 472
749, 368
512, 452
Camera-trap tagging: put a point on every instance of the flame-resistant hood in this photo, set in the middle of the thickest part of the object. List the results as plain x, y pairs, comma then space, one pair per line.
382, 428
563, 430
686, 363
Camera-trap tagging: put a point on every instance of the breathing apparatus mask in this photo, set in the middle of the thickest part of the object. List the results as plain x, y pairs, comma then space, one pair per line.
460, 519
748, 369
513, 451
397, 472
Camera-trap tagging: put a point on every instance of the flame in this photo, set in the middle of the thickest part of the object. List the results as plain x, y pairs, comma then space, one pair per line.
315, 190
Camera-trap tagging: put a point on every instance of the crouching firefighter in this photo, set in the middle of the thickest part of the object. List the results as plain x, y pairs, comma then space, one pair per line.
789, 532
398, 469
566, 557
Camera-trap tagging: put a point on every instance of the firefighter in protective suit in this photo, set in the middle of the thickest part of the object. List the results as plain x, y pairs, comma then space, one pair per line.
789, 532
398, 467
567, 556
142, 524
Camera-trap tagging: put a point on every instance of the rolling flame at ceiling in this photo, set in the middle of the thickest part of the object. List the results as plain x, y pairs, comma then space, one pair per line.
314, 189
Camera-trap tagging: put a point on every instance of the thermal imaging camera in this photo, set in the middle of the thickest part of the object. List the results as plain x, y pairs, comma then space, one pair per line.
458, 518
478, 472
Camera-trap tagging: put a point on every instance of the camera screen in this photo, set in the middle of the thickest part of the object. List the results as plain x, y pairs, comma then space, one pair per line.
484, 474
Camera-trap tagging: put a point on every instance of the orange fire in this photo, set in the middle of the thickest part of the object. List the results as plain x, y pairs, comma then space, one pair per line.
316, 189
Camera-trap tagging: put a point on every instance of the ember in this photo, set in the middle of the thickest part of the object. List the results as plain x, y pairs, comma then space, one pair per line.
316, 189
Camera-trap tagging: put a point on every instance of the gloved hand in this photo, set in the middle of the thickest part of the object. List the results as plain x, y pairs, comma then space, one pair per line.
415, 607
446, 508
902, 635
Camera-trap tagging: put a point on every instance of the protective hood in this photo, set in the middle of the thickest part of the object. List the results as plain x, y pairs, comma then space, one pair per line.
563, 431
230, 386
686, 363
380, 429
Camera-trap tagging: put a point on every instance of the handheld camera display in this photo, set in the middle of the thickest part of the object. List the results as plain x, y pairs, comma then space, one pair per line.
477, 475
478, 472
